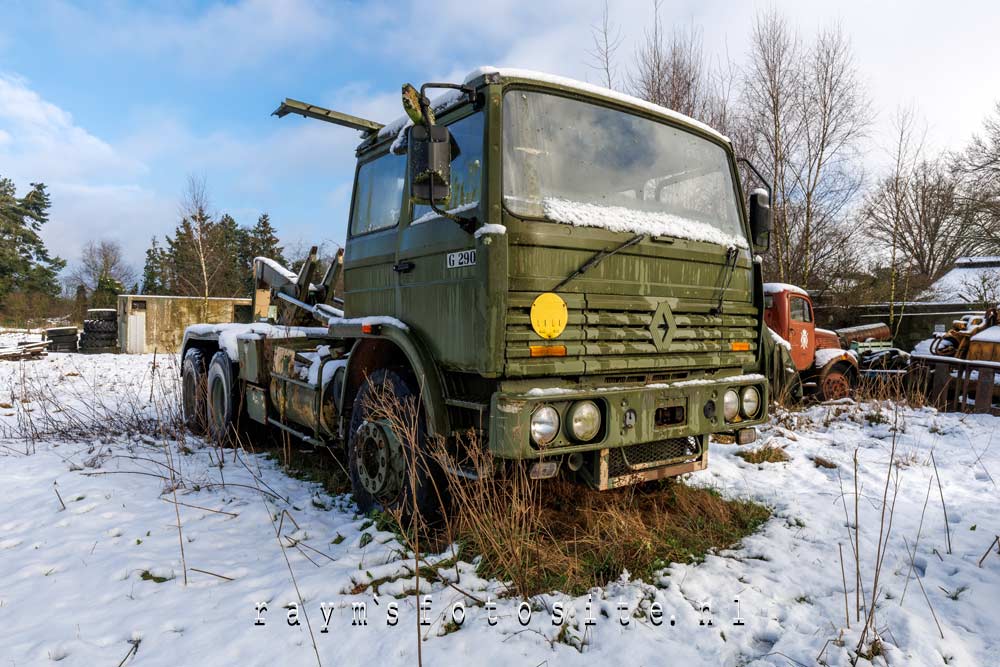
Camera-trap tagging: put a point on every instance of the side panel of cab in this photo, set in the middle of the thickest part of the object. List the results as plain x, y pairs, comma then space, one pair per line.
441, 270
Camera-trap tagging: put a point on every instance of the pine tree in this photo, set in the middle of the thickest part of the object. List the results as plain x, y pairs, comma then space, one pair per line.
231, 239
154, 278
106, 294
261, 241
25, 263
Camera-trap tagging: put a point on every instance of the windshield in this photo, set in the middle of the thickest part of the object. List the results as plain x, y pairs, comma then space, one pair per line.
585, 164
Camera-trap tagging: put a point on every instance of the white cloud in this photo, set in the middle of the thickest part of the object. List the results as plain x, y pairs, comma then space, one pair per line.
40, 142
218, 39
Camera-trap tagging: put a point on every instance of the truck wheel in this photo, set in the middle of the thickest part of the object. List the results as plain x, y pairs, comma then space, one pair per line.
220, 397
380, 466
836, 383
193, 390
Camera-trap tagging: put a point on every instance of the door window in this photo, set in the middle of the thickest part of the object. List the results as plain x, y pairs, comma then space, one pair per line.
466, 169
378, 196
800, 310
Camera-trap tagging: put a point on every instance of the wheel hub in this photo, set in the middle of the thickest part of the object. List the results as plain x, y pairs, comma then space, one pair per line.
378, 460
836, 386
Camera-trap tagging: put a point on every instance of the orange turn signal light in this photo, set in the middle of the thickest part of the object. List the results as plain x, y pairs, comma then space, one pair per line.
741, 346
547, 350
366, 328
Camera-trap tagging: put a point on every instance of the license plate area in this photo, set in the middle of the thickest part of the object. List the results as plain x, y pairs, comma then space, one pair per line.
670, 414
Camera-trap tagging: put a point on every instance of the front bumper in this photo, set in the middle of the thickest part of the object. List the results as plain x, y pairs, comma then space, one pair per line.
634, 418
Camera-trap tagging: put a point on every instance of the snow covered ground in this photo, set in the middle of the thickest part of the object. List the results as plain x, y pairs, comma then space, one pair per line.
103, 577
11, 337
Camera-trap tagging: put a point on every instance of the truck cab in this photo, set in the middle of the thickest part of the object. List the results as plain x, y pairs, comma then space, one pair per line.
574, 284
825, 368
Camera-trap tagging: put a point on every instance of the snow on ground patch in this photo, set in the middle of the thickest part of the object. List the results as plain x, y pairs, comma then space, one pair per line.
87, 587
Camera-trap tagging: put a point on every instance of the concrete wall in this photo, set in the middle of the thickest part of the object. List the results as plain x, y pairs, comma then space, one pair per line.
166, 317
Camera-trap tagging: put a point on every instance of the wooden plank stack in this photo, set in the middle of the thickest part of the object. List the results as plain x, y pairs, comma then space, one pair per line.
25, 351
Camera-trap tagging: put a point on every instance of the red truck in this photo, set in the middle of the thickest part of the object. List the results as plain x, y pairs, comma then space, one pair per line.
825, 368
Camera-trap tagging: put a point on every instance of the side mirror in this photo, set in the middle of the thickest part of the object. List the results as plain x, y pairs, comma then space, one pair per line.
760, 219
430, 164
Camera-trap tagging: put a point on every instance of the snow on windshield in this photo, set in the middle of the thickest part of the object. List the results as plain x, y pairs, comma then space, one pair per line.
558, 149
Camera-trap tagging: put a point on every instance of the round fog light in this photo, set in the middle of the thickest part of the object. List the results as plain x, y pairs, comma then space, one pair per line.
730, 405
584, 420
544, 425
751, 402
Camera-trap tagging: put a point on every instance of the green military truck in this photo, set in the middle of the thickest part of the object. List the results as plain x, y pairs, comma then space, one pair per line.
562, 271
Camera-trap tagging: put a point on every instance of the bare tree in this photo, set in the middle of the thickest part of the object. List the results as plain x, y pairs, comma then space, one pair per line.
101, 259
885, 204
835, 114
203, 253
670, 71
982, 288
979, 168
921, 214
771, 83
607, 38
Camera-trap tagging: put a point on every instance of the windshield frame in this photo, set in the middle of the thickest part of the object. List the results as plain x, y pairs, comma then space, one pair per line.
624, 108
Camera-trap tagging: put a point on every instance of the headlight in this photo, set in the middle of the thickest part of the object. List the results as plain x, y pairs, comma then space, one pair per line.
584, 420
544, 425
730, 405
751, 402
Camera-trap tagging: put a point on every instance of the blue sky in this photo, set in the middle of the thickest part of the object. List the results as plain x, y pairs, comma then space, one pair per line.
113, 104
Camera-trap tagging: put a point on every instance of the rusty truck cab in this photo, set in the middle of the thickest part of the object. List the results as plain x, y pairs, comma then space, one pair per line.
824, 366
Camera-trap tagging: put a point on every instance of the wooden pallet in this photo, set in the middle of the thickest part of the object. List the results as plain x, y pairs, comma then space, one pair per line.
25, 351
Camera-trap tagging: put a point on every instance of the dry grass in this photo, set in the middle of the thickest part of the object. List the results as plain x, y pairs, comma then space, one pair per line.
546, 535
76, 407
821, 462
549, 535
764, 454
894, 388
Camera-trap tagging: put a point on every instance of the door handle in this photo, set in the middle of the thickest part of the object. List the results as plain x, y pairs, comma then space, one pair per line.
403, 267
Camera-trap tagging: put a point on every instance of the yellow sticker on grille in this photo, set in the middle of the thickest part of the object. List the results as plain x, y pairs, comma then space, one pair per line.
549, 315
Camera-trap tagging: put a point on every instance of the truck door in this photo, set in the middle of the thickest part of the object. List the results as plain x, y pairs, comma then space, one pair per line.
801, 331
369, 280
440, 276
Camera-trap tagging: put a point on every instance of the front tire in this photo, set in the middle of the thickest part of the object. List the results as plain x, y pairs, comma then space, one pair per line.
386, 473
837, 383
193, 390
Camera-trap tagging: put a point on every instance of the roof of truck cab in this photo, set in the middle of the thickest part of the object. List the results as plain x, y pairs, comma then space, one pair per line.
477, 76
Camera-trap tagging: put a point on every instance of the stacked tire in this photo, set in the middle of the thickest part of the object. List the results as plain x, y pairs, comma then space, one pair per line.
100, 331
62, 339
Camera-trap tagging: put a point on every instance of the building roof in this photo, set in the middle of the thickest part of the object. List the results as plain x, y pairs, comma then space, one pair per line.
966, 281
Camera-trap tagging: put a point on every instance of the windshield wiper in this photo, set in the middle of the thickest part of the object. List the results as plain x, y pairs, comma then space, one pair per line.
599, 257
732, 254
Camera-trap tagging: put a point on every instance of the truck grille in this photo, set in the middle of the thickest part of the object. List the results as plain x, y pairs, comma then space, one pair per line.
625, 460
616, 336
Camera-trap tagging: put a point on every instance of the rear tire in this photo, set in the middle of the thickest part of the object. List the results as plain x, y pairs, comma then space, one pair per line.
193, 390
102, 314
380, 468
221, 403
100, 326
